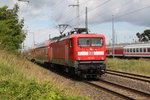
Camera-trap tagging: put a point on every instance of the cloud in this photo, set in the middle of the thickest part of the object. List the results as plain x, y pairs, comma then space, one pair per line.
100, 11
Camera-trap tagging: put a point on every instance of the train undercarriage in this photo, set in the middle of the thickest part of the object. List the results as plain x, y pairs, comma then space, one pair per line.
90, 69
83, 69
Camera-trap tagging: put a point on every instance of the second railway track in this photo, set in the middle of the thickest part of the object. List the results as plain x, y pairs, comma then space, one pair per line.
119, 90
129, 75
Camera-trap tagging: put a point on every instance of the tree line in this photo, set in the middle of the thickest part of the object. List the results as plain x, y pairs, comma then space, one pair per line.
144, 37
11, 29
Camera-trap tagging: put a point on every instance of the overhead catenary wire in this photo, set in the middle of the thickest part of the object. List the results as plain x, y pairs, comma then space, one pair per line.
128, 13
134, 11
84, 14
90, 10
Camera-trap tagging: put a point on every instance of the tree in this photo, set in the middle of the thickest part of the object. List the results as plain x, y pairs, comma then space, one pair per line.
11, 32
147, 34
143, 37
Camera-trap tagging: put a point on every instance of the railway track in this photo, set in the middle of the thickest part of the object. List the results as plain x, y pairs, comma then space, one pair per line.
119, 90
129, 75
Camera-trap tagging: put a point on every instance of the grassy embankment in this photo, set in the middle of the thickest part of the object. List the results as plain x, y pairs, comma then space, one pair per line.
140, 66
23, 80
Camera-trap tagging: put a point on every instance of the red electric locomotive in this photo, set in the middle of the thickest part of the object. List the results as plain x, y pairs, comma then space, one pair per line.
82, 54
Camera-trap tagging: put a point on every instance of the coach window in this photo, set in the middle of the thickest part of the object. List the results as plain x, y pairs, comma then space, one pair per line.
144, 49
140, 49
127, 50
148, 49
137, 50
131, 50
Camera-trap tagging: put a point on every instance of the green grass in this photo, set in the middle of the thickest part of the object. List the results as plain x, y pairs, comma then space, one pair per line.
16, 85
132, 66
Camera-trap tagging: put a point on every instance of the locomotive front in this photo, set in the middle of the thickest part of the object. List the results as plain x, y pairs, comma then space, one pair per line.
90, 55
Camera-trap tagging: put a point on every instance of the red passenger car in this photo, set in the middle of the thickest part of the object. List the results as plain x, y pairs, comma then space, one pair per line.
118, 51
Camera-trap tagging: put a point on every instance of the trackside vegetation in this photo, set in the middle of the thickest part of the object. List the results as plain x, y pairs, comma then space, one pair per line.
140, 66
17, 85
11, 29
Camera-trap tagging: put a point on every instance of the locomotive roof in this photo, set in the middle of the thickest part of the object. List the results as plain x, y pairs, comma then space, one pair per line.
75, 35
63, 37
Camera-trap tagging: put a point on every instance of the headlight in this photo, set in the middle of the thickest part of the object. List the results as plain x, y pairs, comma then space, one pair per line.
102, 58
79, 58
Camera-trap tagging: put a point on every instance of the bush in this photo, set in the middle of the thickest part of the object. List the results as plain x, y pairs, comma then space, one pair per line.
15, 85
132, 66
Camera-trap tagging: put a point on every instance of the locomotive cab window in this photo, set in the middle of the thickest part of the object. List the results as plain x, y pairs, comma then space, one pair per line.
90, 42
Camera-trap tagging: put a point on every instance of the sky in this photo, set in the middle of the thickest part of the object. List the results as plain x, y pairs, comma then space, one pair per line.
42, 17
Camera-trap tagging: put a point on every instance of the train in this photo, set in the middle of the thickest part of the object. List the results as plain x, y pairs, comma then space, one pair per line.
77, 52
138, 50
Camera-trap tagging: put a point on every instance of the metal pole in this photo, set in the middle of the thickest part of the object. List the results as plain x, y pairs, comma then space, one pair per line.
113, 36
33, 39
78, 12
86, 19
49, 36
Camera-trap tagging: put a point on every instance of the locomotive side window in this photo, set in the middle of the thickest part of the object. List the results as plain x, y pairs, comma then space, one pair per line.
90, 42
70, 42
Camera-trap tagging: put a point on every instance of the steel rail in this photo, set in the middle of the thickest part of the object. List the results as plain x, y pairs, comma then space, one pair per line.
129, 73
127, 88
133, 76
109, 90
118, 86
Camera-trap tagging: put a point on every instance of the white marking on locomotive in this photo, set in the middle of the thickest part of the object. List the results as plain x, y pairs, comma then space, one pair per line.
99, 53
81, 53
